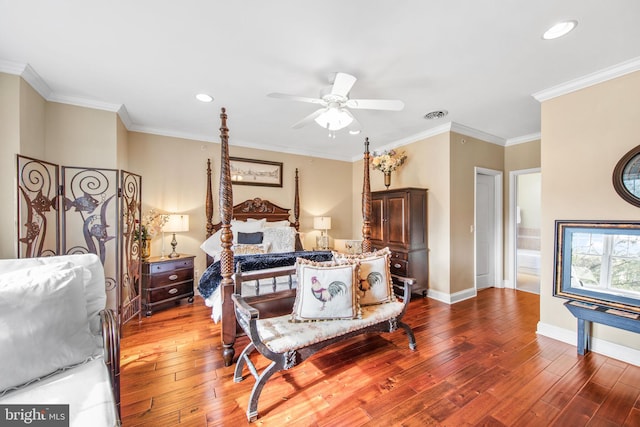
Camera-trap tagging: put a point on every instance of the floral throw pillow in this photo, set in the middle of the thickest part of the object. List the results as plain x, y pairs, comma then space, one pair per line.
374, 285
251, 249
325, 291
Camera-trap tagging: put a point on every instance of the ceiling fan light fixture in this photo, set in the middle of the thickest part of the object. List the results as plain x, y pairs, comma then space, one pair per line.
560, 29
334, 119
203, 97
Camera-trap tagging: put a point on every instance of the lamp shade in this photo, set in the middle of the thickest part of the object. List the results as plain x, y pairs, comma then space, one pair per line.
322, 223
176, 224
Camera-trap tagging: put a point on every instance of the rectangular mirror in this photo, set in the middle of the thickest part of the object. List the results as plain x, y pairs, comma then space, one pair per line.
599, 263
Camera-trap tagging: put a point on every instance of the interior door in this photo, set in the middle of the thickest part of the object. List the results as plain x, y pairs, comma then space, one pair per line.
485, 231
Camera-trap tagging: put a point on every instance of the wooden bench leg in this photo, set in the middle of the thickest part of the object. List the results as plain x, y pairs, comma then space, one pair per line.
242, 360
252, 409
409, 331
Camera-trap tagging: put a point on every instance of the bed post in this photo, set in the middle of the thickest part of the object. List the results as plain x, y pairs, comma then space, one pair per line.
209, 202
208, 209
366, 202
226, 239
296, 206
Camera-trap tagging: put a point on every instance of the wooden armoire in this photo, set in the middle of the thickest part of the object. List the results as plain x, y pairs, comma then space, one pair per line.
399, 221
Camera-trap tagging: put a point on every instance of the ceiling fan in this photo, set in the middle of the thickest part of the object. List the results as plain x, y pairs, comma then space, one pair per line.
334, 112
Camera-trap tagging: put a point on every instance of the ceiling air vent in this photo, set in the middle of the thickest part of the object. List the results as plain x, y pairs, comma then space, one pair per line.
436, 114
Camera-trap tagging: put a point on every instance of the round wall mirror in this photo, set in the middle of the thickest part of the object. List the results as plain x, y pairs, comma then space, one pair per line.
626, 177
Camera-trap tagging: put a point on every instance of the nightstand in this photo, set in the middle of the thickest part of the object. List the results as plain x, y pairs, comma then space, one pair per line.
166, 279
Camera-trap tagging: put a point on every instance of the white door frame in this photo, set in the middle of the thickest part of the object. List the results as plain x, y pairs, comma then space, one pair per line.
511, 228
498, 256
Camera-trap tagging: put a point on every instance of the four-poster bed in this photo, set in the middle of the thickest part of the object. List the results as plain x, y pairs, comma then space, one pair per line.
256, 209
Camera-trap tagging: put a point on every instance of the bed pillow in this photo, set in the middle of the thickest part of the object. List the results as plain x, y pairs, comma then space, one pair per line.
283, 223
325, 291
247, 226
43, 324
375, 285
250, 249
250, 238
281, 239
212, 246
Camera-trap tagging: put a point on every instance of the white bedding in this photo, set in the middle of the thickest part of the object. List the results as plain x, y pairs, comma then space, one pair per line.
278, 237
248, 289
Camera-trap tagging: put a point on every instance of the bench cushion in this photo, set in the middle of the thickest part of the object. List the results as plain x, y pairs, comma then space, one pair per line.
280, 335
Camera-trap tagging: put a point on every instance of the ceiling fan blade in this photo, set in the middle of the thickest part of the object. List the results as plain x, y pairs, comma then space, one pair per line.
376, 104
342, 84
296, 98
310, 118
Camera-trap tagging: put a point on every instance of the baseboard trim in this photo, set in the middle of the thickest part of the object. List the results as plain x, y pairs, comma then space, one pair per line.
452, 298
606, 348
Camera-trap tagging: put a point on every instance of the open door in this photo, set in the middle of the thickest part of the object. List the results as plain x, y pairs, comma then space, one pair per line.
488, 228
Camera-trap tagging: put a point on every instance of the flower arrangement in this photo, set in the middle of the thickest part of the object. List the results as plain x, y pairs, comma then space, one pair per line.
388, 160
152, 223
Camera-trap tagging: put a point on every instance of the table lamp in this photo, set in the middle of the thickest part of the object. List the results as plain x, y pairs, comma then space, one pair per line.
176, 224
322, 223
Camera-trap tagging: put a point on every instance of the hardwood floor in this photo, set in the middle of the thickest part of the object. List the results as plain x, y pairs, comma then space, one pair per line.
478, 362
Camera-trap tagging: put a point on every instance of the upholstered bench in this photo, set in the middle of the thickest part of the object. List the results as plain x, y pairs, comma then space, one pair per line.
287, 343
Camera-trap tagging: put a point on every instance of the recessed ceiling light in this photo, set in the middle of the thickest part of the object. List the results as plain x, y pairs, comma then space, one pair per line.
354, 132
204, 97
559, 30
438, 114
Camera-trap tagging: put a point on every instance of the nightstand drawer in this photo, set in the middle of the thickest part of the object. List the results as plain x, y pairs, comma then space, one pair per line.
169, 277
168, 292
399, 267
161, 267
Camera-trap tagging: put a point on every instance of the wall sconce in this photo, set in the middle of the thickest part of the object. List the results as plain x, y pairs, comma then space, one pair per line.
176, 224
322, 223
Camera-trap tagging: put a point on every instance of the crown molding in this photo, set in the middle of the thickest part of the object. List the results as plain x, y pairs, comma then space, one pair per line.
28, 74
589, 80
478, 134
235, 143
39, 85
85, 102
522, 139
444, 128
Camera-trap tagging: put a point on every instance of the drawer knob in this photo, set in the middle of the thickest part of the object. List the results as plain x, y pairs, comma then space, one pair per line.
173, 277
173, 291
397, 265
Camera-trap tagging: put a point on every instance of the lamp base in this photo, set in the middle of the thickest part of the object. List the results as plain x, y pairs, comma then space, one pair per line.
174, 243
322, 242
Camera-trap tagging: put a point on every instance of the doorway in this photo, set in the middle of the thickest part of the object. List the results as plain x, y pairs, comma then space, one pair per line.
525, 229
488, 228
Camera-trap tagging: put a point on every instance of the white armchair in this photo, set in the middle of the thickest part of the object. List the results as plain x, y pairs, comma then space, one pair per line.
58, 343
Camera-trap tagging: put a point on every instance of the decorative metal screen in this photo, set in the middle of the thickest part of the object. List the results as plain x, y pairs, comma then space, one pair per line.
38, 213
130, 282
90, 220
92, 211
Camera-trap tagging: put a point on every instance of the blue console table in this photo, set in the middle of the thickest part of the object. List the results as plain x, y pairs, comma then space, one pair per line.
587, 313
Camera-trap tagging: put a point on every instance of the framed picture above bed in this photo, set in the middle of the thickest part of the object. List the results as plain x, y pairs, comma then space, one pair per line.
255, 172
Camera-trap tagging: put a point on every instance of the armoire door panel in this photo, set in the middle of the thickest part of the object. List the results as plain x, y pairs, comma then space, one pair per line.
377, 220
396, 217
